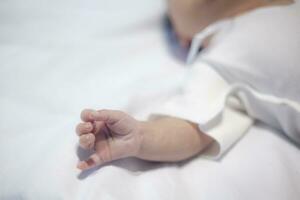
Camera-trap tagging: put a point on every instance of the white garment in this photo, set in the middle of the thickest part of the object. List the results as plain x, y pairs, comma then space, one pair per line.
258, 54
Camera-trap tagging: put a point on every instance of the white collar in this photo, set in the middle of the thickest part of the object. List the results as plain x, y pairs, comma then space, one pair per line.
199, 37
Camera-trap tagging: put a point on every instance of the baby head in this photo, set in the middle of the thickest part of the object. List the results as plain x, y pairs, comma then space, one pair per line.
189, 17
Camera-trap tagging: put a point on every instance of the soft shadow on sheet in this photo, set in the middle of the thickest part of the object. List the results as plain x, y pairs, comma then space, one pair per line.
134, 166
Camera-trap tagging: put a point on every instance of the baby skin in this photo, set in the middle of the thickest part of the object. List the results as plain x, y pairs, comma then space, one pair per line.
113, 135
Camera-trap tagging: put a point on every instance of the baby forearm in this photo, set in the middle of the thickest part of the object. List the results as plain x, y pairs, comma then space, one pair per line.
171, 139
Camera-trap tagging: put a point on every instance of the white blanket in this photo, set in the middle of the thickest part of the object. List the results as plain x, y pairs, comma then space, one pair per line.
59, 56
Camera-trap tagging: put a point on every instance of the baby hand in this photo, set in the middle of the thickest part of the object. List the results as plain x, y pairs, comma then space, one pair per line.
112, 134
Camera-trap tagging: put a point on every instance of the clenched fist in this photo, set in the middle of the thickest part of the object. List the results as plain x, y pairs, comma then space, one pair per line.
112, 134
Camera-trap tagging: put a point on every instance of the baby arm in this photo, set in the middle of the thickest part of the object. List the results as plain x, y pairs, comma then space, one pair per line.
114, 135
171, 139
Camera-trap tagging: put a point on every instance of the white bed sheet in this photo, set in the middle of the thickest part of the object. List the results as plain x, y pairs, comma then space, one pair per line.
57, 57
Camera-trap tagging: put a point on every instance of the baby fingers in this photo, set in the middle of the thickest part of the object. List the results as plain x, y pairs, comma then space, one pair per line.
87, 141
84, 128
87, 115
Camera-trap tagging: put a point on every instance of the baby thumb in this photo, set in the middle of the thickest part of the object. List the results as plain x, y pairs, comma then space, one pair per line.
116, 151
92, 161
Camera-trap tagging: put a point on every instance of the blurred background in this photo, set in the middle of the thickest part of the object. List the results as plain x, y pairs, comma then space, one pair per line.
58, 57
62, 56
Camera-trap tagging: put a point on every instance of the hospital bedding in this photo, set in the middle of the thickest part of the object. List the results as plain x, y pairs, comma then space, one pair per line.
57, 57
